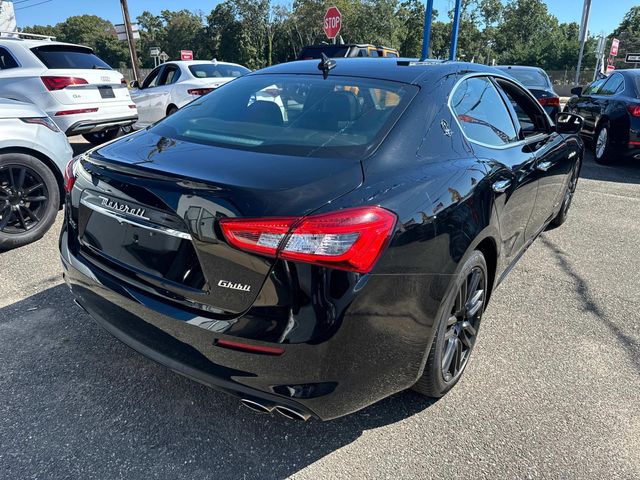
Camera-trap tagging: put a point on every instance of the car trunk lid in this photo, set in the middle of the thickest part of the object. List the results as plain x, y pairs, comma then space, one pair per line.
150, 207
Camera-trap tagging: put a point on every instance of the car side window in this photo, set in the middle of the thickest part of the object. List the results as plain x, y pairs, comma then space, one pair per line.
593, 87
170, 75
152, 79
613, 85
482, 113
530, 118
6, 60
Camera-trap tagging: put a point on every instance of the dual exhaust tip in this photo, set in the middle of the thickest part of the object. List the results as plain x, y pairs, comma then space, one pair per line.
282, 410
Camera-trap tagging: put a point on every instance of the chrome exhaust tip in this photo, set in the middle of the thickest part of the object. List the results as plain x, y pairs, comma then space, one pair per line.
255, 406
292, 414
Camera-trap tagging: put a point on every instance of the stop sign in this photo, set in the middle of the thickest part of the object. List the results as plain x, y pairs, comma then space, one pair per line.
332, 22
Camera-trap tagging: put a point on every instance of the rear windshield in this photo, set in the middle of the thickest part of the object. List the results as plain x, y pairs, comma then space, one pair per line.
58, 57
637, 82
293, 115
331, 51
529, 78
210, 70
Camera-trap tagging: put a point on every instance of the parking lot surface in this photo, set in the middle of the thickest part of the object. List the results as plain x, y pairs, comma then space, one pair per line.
552, 390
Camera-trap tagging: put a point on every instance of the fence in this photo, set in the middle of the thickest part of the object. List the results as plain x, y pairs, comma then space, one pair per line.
128, 73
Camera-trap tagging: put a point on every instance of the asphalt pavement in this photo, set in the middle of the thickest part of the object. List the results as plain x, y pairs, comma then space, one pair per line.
552, 390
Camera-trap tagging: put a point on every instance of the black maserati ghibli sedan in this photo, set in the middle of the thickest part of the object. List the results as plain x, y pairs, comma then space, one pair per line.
610, 109
316, 236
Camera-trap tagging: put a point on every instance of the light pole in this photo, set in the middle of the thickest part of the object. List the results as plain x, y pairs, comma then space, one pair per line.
130, 40
584, 31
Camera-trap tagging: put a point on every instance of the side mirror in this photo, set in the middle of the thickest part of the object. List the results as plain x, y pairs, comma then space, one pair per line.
577, 91
568, 123
134, 84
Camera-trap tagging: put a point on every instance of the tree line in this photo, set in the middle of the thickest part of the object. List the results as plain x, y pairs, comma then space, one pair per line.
258, 33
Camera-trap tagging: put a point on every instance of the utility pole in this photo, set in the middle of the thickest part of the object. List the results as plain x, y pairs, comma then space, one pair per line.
584, 31
130, 40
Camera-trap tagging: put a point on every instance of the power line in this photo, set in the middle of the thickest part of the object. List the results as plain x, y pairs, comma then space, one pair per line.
32, 5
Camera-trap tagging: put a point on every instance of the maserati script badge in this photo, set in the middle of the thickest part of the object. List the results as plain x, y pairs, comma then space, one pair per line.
123, 208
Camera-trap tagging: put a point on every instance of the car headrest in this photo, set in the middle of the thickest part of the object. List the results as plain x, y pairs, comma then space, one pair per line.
265, 112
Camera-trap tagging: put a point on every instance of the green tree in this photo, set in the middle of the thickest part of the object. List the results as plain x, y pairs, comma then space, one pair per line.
628, 32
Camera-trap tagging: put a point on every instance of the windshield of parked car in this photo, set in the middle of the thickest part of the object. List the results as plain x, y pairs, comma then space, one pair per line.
293, 115
529, 78
211, 70
68, 56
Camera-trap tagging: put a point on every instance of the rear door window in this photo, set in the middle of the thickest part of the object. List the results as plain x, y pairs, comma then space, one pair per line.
482, 113
302, 115
613, 85
6, 60
59, 57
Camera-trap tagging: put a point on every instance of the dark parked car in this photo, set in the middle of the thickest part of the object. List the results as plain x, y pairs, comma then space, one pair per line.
537, 81
611, 112
338, 50
319, 251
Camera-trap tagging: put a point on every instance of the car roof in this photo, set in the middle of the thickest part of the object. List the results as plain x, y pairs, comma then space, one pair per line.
631, 72
518, 67
186, 63
32, 43
406, 70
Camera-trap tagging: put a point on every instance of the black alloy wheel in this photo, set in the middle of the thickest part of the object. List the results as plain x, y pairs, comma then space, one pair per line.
29, 200
457, 331
568, 198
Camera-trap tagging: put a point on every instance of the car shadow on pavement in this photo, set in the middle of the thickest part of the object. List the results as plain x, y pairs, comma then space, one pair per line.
75, 400
621, 171
590, 303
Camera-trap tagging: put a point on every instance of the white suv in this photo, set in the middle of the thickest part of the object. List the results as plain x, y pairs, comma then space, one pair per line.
80, 92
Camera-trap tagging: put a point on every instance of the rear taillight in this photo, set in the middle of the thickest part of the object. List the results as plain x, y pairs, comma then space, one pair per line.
123, 81
58, 83
199, 91
351, 239
69, 176
634, 110
76, 111
549, 101
44, 121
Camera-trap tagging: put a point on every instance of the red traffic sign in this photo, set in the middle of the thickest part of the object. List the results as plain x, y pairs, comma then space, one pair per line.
186, 55
614, 47
332, 22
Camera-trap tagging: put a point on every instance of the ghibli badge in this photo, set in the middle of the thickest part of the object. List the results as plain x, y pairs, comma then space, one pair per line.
234, 286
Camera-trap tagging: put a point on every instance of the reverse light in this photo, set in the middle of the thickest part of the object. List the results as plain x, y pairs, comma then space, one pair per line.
44, 121
69, 176
634, 110
58, 83
199, 91
549, 101
351, 239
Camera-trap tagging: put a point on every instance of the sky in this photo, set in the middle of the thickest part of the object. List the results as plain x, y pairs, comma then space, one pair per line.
605, 17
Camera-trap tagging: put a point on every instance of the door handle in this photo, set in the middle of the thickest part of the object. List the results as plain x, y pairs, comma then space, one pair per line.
544, 166
501, 186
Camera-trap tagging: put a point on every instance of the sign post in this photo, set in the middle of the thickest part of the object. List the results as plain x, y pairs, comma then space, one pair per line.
332, 23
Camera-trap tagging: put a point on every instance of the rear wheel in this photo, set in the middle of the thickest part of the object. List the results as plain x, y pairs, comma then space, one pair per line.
457, 330
29, 200
602, 148
98, 138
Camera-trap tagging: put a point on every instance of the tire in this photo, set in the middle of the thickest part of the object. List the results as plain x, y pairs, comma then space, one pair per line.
457, 329
171, 110
602, 146
568, 197
29, 200
98, 138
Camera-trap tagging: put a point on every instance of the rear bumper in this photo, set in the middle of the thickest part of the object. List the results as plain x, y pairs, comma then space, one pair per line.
371, 355
89, 126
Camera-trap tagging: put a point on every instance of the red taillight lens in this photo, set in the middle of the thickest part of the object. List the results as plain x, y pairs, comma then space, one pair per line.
76, 111
123, 81
634, 110
69, 176
549, 101
199, 91
58, 83
351, 239
245, 347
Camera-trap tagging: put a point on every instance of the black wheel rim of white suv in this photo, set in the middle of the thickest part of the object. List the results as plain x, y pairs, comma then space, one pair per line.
23, 199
